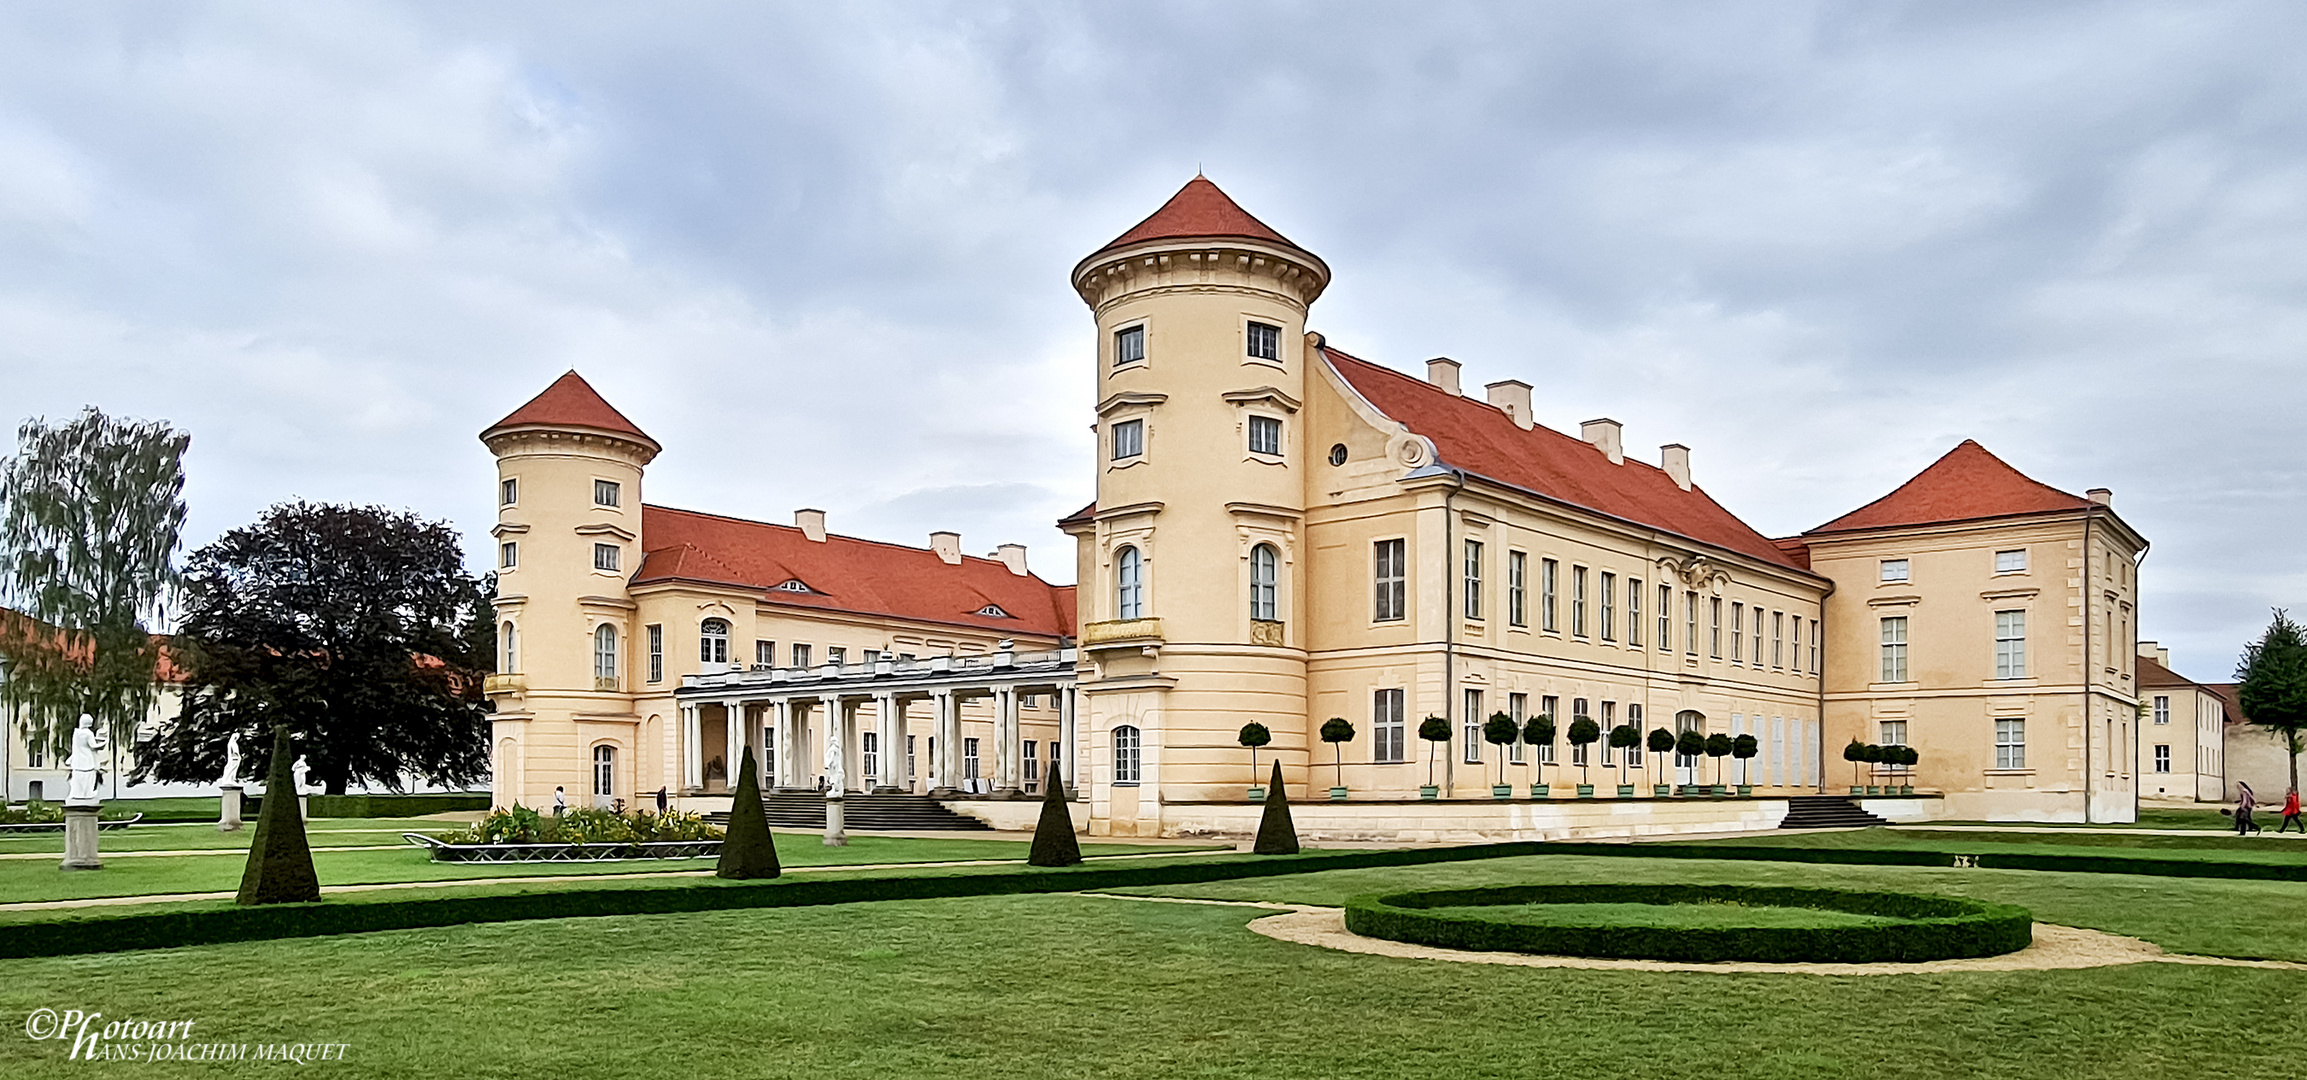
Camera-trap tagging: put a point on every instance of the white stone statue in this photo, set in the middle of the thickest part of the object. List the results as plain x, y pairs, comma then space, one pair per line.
86, 744
297, 783
231, 777
835, 781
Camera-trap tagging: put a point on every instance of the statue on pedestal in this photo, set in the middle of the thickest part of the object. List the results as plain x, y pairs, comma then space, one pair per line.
80, 789
231, 777
835, 780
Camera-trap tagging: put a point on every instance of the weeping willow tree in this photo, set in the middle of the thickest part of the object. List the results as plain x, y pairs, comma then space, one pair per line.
90, 513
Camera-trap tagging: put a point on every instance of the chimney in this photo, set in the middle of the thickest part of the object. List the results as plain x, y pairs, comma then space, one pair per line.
1443, 372
2101, 496
1675, 459
2156, 652
1603, 433
947, 545
1012, 556
1512, 397
811, 523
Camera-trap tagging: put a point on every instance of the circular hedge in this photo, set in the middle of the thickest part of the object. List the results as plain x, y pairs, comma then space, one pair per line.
1922, 927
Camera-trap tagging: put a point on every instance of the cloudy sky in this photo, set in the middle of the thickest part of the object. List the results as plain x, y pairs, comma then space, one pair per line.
820, 250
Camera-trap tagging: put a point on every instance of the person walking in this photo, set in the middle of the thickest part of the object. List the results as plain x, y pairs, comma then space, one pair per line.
2244, 801
560, 802
2291, 812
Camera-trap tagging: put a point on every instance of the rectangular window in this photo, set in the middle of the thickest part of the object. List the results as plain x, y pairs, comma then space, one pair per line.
1550, 706
1609, 607
1777, 640
911, 771
508, 555
1894, 648
869, 747
1894, 733
607, 493
1578, 601
1894, 570
2162, 758
1665, 618
656, 652
508, 492
1128, 439
1690, 625
1128, 345
605, 556
1517, 586
1549, 573
1517, 707
1714, 627
1634, 612
2010, 644
2010, 744
1391, 576
800, 656
765, 653
1814, 643
1634, 717
1029, 762
2162, 709
1388, 739
1473, 579
1265, 435
1738, 633
2013, 561
1798, 644
1470, 727
1125, 755
969, 762
1265, 342
836, 655
1577, 712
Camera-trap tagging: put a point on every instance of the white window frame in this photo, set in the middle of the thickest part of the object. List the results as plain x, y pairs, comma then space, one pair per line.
2011, 644
607, 558
1127, 438
1517, 709
656, 634
1265, 334
509, 491
1128, 764
1549, 596
614, 491
1518, 588
2011, 561
1129, 583
1391, 592
1737, 632
1470, 725
1777, 640
1265, 583
1129, 346
1609, 597
1633, 613
801, 655
604, 771
508, 555
605, 654
1389, 731
2010, 743
1268, 425
713, 641
1473, 579
1896, 572
2162, 757
2162, 709
1578, 601
1894, 642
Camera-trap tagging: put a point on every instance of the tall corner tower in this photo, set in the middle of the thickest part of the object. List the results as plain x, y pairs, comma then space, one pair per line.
1191, 610
568, 539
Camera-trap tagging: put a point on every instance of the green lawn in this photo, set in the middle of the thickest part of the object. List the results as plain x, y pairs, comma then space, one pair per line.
1674, 915
2150, 817
2212, 847
1027, 987
321, 832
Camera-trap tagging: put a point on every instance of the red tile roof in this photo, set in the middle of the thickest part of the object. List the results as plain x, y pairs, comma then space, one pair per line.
1199, 209
847, 574
2153, 673
571, 402
1480, 439
1966, 485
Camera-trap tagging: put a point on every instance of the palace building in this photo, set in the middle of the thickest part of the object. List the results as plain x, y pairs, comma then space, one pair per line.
1286, 534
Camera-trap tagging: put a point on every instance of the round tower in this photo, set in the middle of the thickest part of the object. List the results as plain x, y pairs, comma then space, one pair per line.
1189, 602
568, 538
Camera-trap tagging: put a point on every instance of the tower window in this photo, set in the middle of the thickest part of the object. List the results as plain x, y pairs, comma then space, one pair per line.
509, 639
607, 493
508, 555
656, 652
1265, 435
1129, 346
508, 491
604, 657
1265, 342
605, 556
1128, 439
1128, 584
1265, 568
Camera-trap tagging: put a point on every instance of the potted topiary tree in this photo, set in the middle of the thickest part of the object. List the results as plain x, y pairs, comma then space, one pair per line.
1718, 747
1907, 756
1744, 748
1661, 746
1434, 731
1624, 737
1501, 732
1691, 745
1855, 753
1337, 732
1538, 732
1583, 733
1872, 755
1255, 735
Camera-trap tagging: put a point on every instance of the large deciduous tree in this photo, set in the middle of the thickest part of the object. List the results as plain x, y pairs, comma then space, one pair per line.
356, 628
2272, 685
90, 514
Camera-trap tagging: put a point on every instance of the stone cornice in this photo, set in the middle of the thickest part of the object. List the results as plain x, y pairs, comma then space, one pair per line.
1209, 264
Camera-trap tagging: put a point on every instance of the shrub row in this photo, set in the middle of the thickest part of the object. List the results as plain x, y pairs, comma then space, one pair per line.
2065, 864
1930, 927
371, 806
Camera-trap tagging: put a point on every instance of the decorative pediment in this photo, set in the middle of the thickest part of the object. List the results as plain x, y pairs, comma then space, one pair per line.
604, 530
1263, 395
1129, 399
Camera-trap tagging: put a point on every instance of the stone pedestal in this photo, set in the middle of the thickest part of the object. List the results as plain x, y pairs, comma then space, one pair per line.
80, 839
228, 809
836, 830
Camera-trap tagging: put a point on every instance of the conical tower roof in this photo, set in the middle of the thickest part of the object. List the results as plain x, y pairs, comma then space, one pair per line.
1199, 209
571, 402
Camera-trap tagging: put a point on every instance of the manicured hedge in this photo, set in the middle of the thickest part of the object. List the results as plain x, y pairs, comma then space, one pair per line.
2066, 864
394, 805
1930, 927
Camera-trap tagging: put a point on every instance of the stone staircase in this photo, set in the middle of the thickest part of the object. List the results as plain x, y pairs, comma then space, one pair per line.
806, 810
1826, 812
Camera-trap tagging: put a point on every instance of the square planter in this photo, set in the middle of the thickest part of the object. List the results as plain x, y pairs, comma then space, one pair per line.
1541, 791
1625, 791
1585, 791
1746, 791
1501, 791
1906, 789
1857, 790
1338, 793
1661, 791
1874, 789
1257, 794
1429, 791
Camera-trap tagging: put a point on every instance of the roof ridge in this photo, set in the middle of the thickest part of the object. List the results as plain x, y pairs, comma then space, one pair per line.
829, 535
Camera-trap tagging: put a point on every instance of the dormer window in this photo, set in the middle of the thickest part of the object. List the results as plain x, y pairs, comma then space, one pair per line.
993, 611
793, 585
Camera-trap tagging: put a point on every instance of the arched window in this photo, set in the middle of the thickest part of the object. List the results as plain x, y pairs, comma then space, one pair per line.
510, 639
604, 770
1264, 570
1125, 760
1128, 584
605, 657
713, 641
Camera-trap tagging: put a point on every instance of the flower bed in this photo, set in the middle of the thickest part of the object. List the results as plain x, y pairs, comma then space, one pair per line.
442, 851
31, 822
519, 834
1896, 927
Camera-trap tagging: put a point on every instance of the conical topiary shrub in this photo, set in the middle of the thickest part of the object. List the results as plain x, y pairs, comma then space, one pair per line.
1053, 842
279, 859
1277, 835
747, 849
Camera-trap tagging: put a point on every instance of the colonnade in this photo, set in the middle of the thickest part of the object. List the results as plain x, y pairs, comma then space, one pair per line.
780, 725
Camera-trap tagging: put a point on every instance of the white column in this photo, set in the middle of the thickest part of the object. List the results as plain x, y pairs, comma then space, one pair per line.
892, 764
733, 734
942, 722
777, 722
1005, 767
1068, 736
836, 764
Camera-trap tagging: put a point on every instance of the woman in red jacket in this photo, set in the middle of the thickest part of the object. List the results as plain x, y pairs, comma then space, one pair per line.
2291, 812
